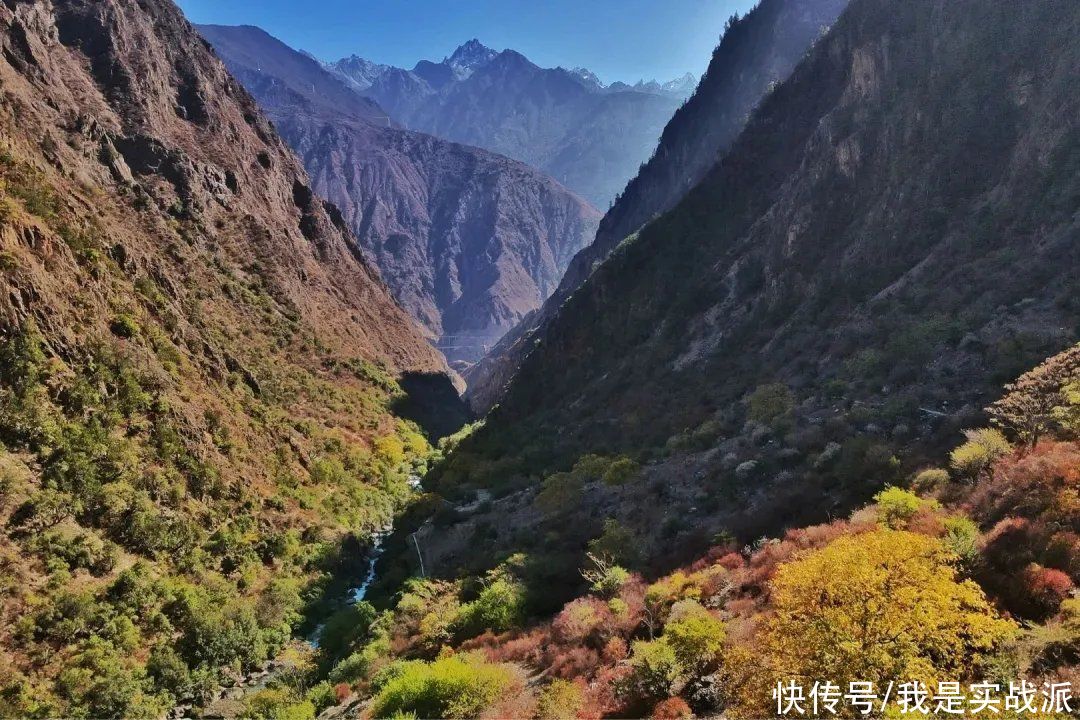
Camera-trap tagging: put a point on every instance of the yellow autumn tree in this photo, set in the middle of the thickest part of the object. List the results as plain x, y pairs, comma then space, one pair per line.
880, 606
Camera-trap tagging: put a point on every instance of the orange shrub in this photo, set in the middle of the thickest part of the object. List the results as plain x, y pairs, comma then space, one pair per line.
615, 650
573, 662
1063, 551
673, 708
1046, 589
1041, 483
581, 621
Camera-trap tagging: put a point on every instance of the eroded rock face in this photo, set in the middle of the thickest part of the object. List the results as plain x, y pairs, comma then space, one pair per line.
469, 241
145, 107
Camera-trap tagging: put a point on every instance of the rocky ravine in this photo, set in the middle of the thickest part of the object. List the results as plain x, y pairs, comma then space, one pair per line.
469, 241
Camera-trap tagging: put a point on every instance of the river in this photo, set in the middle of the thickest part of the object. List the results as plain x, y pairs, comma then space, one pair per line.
229, 700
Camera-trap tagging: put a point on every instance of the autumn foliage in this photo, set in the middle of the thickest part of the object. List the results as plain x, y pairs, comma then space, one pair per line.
950, 577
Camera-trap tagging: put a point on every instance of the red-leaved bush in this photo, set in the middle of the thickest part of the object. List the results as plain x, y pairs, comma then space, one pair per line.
1046, 588
519, 647
673, 708
570, 662
1039, 484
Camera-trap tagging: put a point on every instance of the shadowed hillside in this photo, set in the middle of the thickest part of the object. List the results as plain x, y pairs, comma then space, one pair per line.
891, 237
756, 51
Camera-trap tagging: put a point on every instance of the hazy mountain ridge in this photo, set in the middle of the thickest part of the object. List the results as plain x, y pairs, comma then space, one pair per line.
362, 73
468, 240
586, 135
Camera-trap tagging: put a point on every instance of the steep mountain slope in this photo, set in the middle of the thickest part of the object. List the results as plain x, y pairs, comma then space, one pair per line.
469, 241
590, 138
756, 51
892, 236
197, 370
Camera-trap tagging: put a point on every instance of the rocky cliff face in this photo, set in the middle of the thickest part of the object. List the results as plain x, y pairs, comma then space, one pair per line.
131, 110
589, 137
470, 241
756, 52
197, 366
891, 237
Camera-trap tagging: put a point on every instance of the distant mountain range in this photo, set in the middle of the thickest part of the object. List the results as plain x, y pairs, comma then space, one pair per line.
589, 136
469, 241
362, 74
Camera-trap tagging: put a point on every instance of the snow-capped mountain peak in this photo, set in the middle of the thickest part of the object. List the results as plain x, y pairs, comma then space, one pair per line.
468, 57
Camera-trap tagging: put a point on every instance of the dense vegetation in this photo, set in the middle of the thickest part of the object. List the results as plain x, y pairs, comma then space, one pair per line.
138, 569
192, 460
958, 574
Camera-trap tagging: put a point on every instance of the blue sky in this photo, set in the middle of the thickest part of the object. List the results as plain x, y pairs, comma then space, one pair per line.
616, 39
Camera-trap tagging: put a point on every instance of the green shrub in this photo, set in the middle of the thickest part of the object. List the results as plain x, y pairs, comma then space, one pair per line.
1067, 415
7, 208
929, 480
500, 606
457, 686
615, 543
277, 704
345, 627
621, 472
169, 671
864, 365
99, 683
962, 537
321, 696
771, 404
9, 261
862, 458
218, 637
9, 481
591, 467
45, 509
359, 665
560, 700
975, 456
895, 507
559, 492
695, 635
604, 578
81, 550
29, 185
654, 670
125, 326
